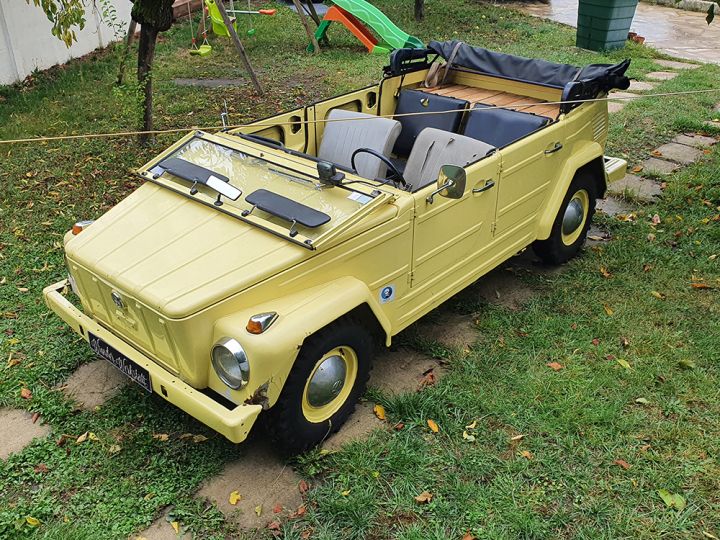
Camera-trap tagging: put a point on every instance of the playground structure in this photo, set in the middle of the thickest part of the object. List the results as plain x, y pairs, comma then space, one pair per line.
355, 15
218, 26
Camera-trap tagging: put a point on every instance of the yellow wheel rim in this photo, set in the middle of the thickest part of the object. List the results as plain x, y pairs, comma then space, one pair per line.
329, 384
576, 213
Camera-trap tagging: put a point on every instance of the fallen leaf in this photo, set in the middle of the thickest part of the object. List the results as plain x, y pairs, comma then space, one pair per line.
12, 362
468, 437
658, 295
471, 425
33, 522
605, 273
161, 437
517, 437
645, 447
82, 438
114, 449
595, 238
709, 535
235, 497
637, 169
428, 379
624, 363
176, 526
608, 310
527, 454
379, 411
41, 468
92, 436
656, 219
555, 366
642, 401
468, 536
35, 417
274, 526
686, 363
277, 508
424, 498
25, 393
399, 426
672, 500
624, 342
303, 487
700, 286
656, 153
595, 342
299, 512
258, 510
622, 463
647, 267
433, 426
199, 438
345, 493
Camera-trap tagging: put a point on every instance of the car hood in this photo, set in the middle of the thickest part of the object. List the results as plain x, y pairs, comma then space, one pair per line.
177, 256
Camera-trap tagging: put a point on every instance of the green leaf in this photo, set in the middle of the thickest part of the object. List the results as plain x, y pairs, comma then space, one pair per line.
686, 363
666, 496
624, 363
642, 401
672, 500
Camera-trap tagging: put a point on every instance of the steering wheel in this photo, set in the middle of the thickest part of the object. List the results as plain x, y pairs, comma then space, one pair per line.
398, 175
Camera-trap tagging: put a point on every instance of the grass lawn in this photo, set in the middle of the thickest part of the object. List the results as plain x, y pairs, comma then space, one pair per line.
640, 385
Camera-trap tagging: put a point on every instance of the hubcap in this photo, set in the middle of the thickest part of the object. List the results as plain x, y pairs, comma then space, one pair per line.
330, 384
327, 381
575, 216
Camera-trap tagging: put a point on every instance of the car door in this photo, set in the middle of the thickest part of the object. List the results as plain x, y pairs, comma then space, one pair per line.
528, 168
448, 233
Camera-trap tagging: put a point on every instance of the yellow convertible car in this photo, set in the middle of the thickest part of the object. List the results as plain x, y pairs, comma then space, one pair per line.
255, 269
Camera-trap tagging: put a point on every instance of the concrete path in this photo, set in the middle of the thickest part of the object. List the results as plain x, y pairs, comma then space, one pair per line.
684, 34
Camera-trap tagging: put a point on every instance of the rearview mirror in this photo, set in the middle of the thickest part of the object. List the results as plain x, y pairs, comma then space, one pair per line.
450, 183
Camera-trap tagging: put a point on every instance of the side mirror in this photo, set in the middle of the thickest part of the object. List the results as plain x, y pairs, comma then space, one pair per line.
450, 183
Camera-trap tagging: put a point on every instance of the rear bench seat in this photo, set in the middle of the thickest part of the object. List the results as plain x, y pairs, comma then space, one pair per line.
500, 127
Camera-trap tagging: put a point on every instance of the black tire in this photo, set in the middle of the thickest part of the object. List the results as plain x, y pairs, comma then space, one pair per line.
287, 421
560, 246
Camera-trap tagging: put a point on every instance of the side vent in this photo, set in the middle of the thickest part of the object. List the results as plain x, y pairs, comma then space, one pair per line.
599, 126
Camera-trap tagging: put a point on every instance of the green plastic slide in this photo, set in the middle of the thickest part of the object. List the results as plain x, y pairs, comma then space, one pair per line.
388, 32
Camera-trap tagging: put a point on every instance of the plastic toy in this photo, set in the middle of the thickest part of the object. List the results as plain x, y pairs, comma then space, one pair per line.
205, 48
218, 25
353, 13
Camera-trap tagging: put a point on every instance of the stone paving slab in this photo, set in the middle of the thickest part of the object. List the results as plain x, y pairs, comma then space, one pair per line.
712, 124
93, 384
262, 479
612, 206
680, 153
659, 166
698, 141
615, 106
641, 85
624, 96
644, 189
662, 75
676, 65
18, 431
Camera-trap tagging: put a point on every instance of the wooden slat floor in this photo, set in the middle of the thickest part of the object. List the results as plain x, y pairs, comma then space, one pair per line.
495, 97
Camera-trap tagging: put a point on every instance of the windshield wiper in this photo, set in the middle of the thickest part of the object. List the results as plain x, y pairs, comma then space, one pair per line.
200, 175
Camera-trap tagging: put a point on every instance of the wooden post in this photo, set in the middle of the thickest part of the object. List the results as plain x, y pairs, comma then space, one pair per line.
313, 12
310, 33
126, 52
238, 45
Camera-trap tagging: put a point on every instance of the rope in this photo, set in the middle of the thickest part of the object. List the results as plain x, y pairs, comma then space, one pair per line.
51, 138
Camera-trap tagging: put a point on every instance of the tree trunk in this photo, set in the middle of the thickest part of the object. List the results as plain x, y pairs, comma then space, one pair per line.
146, 53
419, 10
313, 12
126, 52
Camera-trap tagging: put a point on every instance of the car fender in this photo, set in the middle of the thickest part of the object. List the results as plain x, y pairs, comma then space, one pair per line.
272, 353
580, 155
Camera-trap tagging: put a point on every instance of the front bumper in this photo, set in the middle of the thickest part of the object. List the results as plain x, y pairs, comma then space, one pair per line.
234, 424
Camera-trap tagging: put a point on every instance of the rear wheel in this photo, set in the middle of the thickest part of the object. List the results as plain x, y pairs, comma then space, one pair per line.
329, 376
571, 223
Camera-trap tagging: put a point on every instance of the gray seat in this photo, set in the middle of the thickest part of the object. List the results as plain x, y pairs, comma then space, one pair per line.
435, 148
351, 130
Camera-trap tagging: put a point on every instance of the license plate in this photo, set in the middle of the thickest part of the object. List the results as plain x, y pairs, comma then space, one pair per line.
138, 374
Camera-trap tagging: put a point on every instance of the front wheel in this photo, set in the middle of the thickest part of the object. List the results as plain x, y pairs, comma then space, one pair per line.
330, 374
571, 223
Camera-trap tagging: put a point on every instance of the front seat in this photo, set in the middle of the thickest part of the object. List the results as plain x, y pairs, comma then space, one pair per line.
435, 148
348, 130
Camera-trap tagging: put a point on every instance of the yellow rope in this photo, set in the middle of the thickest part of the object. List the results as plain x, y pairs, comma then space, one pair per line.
327, 120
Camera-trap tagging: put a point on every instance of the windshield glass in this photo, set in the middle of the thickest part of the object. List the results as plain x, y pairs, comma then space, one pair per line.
251, 174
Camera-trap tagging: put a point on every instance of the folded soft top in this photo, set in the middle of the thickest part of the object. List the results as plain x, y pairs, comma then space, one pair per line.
577, 83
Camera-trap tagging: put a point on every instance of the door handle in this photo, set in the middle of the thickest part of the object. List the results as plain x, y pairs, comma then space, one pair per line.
489, 184
558, 146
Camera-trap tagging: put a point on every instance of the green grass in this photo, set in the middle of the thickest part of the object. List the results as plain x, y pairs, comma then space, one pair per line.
576, 421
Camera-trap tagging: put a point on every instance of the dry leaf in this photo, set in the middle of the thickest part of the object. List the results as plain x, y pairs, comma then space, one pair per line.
527, 454
199, 438
379, 411
637, 169
605, 273
468, 437
176, 526
25, 393
642, 401
468, 536
686, 363
41, 468
428, 379
33, 522
658, 295
595, 342
433, 426
92, 436
622, 463
709, 535
656, 153
517, 438
656, 219
555, 366
345, 493
114, 449
424, 498
274, 526
303, 487
700, 286
35, 417
82, 438
258, 510
299, 512
647, 267
399, 426
608, 310
161, 437
235, 497
624, 342
277, 508
471, 425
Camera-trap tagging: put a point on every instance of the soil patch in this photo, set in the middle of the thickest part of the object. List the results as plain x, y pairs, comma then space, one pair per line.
357, 427
403, 370
93, 384
18, 431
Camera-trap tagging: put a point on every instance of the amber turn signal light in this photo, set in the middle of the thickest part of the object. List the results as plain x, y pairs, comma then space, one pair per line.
80, 226
261, 322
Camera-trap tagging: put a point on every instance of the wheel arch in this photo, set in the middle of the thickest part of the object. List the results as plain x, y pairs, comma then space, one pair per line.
584, 158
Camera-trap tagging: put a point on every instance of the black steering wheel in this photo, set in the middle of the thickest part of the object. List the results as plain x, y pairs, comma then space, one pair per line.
398, 175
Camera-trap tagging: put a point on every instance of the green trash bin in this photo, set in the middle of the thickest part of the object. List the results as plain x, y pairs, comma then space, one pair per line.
604, 24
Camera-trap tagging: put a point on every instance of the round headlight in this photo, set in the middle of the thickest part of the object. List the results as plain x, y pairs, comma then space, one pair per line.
231, 363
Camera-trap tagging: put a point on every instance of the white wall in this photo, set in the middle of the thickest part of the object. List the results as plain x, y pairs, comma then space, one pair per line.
26, 43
